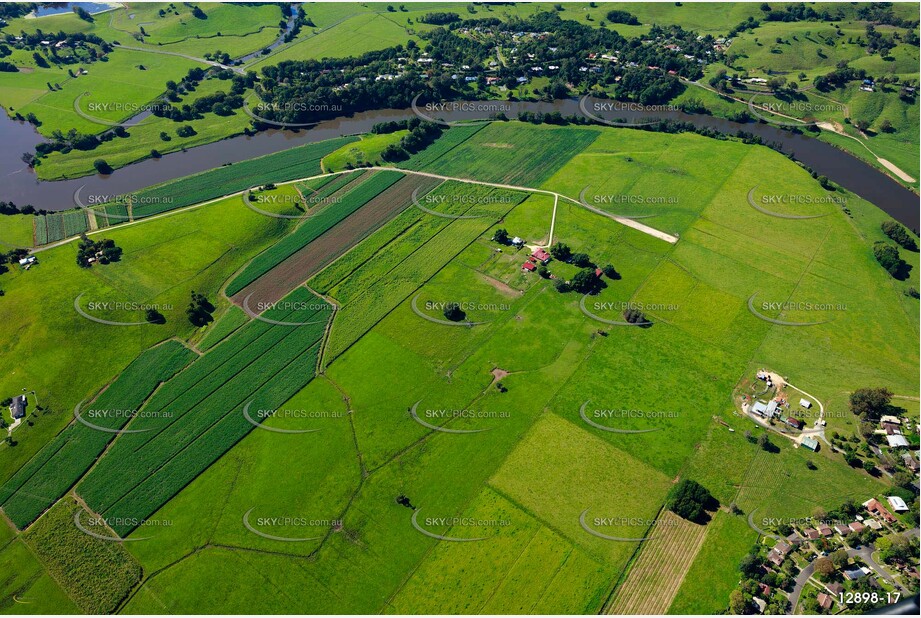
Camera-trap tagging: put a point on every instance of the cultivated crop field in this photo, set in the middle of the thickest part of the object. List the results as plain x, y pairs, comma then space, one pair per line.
64, 460
650, 586
354, 198
97, 574
290, 164
395, 427
198, 415
511, 153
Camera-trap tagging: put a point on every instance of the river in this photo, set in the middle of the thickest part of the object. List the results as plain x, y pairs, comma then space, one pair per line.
21, 186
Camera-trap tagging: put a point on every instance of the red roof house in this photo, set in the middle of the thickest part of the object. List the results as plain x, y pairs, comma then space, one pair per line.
529, 266
541, 255
873, 506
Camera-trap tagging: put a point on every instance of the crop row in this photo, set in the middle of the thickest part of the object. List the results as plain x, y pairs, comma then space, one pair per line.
60, 225
111, 214
232, 319
61, 462
195, 405
418, 235
450, 139
168, 424
325, 189
159, 487
278, 167
312, 228
393, 287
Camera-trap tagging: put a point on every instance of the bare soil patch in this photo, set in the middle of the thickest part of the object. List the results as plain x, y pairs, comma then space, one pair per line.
311, 259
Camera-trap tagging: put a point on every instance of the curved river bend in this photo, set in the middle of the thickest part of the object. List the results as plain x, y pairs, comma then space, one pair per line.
21, 186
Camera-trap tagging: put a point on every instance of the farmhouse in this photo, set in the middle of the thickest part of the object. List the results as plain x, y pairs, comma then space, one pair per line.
541, 256
759, 407
18, 407
888, 418
898, 505
517, 241
528, 266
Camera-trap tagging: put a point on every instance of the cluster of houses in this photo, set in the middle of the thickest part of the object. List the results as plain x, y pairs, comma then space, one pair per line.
539, 256
879, 515
891, 427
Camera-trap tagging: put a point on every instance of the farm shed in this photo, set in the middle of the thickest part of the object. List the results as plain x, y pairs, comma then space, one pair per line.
805, 403
811, 443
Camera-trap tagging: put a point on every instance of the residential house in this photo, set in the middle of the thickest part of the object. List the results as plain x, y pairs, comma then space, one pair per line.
18, 407
842, 529
910, 462
898, 505
779, 552
812, 534
825, 600
856, 526
825, 530
528, 266
873, 506
897, 441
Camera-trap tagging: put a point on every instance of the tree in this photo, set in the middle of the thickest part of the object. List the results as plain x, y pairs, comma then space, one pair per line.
819, 514
610, 272
581, 260
870, 403
586, 281
869, 466
886, 126
899, 234
687, 499
838, 558
501, 236
888, 257
824, 567
543, 272
102, 167
561, 251
561, 286
737, 603
764, 441
155, 317
453, 312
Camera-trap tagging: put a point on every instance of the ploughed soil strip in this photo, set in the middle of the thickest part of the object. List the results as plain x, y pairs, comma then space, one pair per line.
335, 241
659, 570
